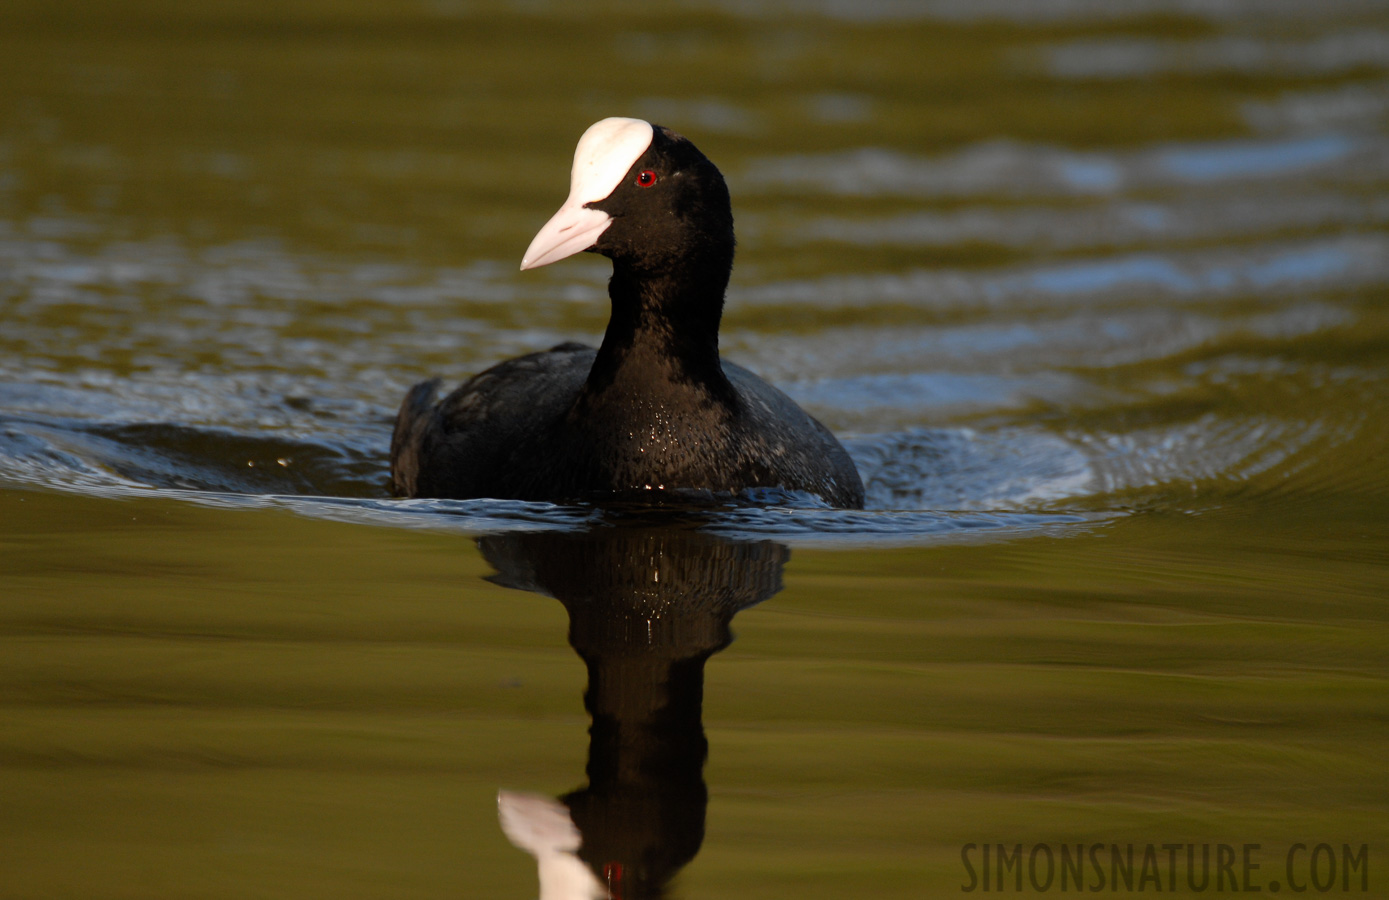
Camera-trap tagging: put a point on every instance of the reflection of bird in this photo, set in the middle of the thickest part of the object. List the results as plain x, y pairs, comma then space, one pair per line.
647, 607
542, 827
654, 408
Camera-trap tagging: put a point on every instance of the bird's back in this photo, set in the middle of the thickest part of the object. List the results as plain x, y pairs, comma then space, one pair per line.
512, 432
466, 444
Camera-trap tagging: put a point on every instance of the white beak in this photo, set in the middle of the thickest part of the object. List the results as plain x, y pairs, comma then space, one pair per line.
605, 153
572, 229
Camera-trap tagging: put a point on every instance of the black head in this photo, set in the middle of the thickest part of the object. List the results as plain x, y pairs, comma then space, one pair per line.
643, 196
669, 211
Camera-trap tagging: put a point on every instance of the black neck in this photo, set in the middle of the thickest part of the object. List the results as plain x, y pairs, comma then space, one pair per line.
665, 325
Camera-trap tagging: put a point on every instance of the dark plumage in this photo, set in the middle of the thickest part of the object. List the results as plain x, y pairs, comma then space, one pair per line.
654, 408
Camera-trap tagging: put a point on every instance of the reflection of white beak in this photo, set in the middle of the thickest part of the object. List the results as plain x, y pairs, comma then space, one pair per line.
542, 827
573, 228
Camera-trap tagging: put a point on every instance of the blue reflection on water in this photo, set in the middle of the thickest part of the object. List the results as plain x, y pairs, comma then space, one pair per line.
1090, 277
1311, 264
1251, 159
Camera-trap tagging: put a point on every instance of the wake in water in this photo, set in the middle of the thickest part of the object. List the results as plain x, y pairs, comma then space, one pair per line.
922, 484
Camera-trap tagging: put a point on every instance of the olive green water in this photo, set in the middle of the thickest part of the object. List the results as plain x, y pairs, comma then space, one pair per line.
1095, 294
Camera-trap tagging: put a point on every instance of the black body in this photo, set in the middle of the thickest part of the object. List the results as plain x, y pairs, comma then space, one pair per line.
653, 408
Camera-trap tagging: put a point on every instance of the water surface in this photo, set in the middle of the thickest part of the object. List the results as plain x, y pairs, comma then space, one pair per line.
1094, 294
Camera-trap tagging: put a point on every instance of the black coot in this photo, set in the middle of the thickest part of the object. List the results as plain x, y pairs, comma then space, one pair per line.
653, 409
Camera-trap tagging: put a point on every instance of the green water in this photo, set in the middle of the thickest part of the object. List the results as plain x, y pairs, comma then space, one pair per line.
1096, 296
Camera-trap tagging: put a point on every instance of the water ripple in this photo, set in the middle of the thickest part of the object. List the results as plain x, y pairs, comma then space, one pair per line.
1007, 168
1266, 270
1048, 12
1183, 219
1321, 55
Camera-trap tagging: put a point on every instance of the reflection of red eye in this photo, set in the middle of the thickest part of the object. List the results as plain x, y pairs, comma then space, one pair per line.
646, 178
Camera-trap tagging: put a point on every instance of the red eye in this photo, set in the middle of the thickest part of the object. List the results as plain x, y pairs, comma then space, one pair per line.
646, 178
